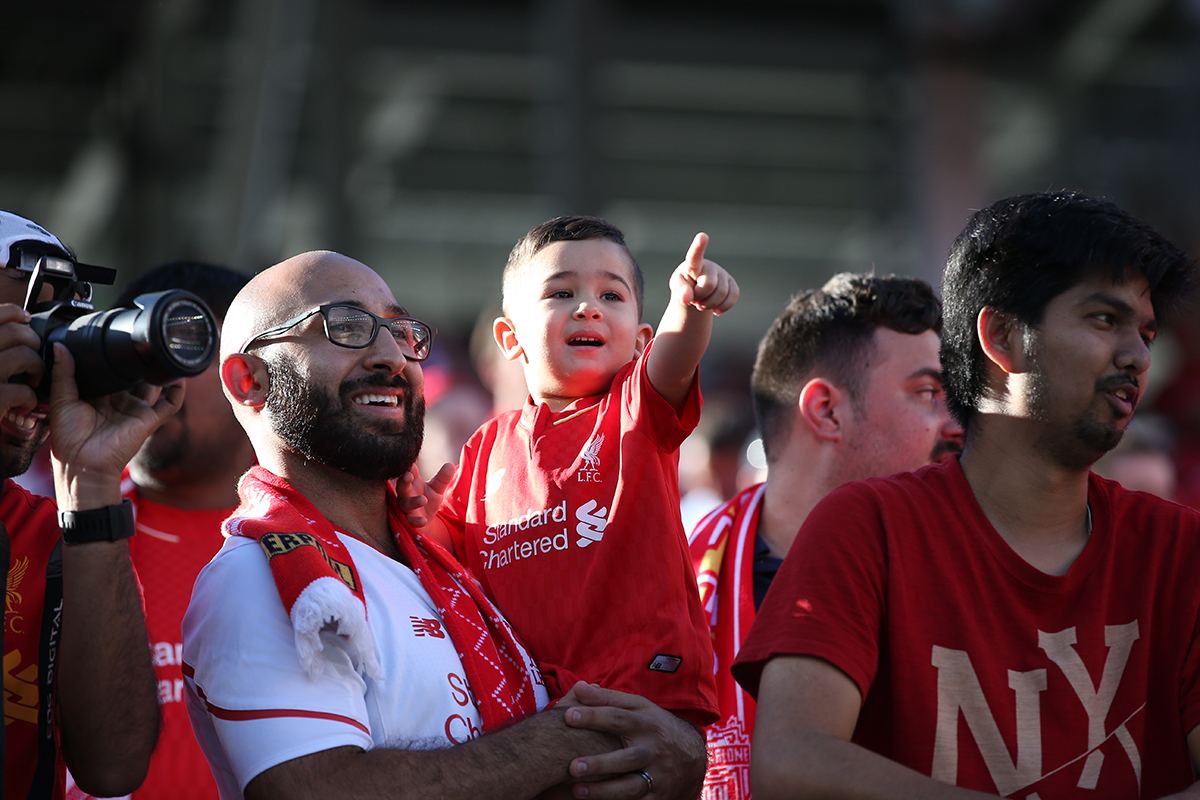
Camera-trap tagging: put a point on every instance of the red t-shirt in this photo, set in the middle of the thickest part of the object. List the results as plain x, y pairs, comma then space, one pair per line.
170, 548
979, 669
571, 522
32, 525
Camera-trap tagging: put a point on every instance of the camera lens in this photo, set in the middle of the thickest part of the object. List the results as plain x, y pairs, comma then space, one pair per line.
187, 334
169, 335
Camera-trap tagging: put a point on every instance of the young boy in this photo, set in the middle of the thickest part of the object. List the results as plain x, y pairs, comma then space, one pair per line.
568, 509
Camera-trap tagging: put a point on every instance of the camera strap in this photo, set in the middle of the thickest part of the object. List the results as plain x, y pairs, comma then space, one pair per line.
46, 773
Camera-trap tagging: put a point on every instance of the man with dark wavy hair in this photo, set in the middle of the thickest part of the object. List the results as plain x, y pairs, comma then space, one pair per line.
846, 386
1007, 622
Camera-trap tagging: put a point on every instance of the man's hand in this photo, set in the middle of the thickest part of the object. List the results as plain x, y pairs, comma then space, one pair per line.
669, 749
19, 347
701, 283
107, 696
92, 441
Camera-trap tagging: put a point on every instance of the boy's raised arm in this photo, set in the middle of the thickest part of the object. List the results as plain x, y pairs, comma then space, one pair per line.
700, 289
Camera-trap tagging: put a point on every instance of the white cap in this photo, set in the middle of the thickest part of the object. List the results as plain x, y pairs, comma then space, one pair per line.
14, 229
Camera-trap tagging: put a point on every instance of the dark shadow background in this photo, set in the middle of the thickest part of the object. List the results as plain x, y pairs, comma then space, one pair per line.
806, 136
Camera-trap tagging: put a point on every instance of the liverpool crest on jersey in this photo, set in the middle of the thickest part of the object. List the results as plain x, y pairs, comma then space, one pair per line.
589, 470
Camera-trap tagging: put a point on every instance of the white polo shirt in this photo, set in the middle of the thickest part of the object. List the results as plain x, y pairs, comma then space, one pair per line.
253, 706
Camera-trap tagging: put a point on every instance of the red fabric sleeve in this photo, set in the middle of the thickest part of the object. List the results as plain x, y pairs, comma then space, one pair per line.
828, 598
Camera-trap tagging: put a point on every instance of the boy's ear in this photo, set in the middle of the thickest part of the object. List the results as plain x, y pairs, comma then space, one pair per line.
645, 333
245, 379
1002, 338
823, 406
505, 334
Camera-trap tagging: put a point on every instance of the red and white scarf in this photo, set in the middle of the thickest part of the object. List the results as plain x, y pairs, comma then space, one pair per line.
320, 587
722, 546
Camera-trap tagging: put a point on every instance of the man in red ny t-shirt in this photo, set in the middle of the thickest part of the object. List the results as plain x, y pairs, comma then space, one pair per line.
1005, 622
846, 386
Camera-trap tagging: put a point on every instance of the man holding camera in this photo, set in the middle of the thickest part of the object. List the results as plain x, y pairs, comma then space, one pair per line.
79, 685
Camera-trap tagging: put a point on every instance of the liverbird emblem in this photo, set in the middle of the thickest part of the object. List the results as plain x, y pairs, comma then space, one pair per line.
15, 575
591, 452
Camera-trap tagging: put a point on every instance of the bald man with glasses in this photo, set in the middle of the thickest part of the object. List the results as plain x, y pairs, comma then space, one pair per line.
347, 325
346, 655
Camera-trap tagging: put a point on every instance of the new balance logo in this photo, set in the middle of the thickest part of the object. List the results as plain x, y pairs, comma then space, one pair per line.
591, 525
428, 627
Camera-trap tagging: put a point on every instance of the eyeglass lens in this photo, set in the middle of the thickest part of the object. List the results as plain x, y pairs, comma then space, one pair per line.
353, 327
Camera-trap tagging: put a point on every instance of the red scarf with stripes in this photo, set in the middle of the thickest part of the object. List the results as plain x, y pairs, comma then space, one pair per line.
722, 546
320, 587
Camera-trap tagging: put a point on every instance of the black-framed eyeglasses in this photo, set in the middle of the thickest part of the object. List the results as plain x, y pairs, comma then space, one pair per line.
356, 328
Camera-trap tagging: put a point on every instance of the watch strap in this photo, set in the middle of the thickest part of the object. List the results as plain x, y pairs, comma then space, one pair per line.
108, 524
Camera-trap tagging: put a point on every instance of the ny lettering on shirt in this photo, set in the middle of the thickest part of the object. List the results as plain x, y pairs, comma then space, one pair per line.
960, 695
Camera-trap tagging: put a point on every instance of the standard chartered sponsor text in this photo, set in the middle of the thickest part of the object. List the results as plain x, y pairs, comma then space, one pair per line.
541, 541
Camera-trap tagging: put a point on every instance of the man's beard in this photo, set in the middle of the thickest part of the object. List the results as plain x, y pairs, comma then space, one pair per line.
943, 449
322, 427
18, 453
161, 453
1085, 437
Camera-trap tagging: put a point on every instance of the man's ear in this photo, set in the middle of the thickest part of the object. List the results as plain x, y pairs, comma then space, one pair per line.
245, 379
505, 334
823, 407
645, 333
1002, 338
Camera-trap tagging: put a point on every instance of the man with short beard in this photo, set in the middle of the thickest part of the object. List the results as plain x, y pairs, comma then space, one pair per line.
846, 386
182, 484
1006, 622
346, 655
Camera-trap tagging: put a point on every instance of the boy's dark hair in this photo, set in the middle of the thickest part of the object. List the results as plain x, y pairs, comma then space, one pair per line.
214, 284
830, 329
568, 229
1020, 253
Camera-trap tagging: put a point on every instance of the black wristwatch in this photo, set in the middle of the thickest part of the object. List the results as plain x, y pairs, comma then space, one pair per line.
108, 524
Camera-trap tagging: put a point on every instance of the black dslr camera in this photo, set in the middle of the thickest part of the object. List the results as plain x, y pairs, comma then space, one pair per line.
170, 335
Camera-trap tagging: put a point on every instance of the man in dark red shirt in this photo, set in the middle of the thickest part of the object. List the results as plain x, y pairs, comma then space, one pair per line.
1007, 622
183, 484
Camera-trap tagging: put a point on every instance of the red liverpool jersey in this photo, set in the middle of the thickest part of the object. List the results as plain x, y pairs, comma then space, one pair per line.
571, 521
170, 548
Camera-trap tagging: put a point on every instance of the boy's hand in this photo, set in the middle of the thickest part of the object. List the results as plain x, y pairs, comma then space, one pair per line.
420, 499
701, 283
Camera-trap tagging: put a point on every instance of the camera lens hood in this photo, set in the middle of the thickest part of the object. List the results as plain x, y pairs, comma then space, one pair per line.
170, 335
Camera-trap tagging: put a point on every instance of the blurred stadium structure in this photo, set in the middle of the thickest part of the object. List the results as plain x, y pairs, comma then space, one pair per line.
806, 136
